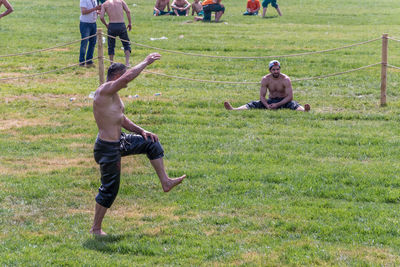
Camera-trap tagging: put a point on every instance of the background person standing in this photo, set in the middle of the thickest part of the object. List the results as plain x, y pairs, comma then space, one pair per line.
88, 27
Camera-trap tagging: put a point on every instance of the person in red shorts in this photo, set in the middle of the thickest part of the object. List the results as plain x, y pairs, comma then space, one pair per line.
253, 6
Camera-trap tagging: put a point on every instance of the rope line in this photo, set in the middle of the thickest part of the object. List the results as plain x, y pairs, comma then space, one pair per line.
227, 82
227, 57
46, 49
393, 39
394, 67
46, 72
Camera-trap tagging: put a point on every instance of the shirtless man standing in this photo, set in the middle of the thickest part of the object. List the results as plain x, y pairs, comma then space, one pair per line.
280, 92
116, 27
160, 6
6, 5
112, 144
180, 7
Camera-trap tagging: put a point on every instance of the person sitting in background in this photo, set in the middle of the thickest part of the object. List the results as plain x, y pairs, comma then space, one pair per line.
6, 5
180, 7
160, 7
253, 6
280, 92
197, 7
210, 6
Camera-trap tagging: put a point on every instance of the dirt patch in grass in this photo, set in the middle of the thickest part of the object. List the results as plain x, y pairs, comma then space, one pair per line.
6, 124
14, 166
373, 255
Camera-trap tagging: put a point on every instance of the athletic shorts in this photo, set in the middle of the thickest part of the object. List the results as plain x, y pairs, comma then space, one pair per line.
108, 156
259, 105
208, 9
273, 3
162, 13
117, 29
180, 12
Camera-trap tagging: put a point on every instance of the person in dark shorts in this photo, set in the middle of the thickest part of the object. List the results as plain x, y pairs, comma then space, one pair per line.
112, 144
210, 6
280, 92
116, 26
160, 6
273, 3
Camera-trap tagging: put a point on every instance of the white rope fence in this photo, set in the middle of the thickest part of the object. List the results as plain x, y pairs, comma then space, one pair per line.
230, 57
101, 59
228, 82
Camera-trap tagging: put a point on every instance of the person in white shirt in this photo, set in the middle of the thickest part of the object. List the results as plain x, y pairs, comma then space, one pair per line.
88, 27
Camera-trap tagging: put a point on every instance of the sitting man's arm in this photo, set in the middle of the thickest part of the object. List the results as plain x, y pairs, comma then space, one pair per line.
130, 126
187, 5
263, 92
8, 6
129, 75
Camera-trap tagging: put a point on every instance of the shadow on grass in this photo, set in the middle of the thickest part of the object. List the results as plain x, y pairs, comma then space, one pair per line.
122, 244
270, 17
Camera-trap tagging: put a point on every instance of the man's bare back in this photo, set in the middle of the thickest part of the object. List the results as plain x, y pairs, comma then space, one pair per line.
115, 10
161, 4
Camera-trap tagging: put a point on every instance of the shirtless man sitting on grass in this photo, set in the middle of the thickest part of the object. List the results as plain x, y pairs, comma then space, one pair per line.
280, 92
160, 7
180, 7
112, 144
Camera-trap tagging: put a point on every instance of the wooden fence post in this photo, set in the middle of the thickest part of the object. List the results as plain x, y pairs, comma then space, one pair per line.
100, 53
384, 68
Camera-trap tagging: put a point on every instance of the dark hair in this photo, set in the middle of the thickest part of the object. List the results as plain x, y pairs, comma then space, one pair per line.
114, 69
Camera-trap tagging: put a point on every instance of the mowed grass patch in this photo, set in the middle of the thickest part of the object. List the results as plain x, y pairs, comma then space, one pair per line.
264, 188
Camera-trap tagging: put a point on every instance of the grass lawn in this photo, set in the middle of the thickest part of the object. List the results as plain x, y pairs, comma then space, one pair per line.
270, 188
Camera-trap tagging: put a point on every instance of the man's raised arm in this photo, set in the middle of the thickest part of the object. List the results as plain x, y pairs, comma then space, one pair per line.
130, 74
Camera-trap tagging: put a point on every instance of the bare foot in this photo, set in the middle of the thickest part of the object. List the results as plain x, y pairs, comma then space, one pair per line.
228, 106
307, 107
97, 232
171, 183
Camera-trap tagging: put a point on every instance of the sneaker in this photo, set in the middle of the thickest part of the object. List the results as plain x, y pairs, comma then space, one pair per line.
90, 65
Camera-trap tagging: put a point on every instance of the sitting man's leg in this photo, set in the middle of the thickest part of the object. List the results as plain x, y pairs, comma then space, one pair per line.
251, 105
136, 144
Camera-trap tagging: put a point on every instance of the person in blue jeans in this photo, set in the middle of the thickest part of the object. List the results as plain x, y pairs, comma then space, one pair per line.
88, 27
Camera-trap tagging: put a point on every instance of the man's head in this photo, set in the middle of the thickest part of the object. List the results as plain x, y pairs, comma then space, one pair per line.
275, 68
196, 1
115, 71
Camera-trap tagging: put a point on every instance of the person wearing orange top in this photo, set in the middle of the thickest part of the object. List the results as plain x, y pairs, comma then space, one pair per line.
210, 6
253, 6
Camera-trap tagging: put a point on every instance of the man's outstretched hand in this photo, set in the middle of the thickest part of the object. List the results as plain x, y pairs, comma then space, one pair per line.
152, 57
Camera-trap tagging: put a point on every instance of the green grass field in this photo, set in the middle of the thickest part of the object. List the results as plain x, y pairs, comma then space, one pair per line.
264, 188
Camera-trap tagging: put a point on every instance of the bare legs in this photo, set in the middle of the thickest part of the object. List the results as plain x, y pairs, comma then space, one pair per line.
218, 16
99, 213
228, 106
127, 56
277, 10
166, 182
